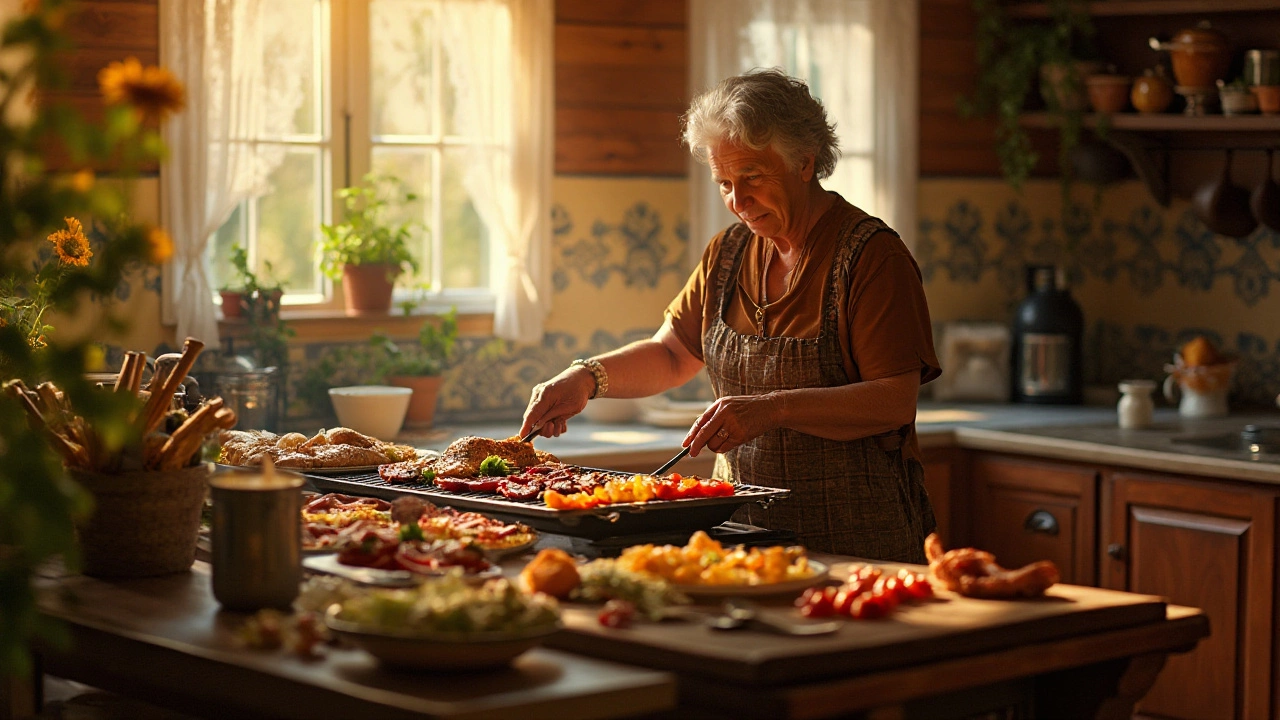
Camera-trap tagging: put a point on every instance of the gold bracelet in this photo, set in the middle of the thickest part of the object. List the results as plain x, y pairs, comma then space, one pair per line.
597, 372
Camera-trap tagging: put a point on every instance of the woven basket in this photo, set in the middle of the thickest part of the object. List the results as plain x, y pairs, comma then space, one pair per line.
143, 523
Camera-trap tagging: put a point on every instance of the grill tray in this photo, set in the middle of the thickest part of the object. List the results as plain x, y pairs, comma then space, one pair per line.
619, 519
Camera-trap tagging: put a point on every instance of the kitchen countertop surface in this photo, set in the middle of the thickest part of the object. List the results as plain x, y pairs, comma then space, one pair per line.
1077, 433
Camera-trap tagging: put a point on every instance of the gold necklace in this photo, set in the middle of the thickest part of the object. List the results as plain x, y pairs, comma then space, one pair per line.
764, 303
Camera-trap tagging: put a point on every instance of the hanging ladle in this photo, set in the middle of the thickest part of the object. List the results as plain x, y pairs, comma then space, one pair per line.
1265, 201
1224, 207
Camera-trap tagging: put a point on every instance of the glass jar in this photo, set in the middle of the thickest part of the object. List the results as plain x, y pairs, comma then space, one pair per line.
1135, 407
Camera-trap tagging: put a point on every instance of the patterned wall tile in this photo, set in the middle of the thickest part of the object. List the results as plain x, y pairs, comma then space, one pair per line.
634, 250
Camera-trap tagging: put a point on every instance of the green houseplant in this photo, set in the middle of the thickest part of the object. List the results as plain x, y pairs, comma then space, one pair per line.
1011, 58
369, 249
421, 366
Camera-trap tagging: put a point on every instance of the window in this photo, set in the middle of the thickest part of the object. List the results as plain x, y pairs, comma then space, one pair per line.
375, 92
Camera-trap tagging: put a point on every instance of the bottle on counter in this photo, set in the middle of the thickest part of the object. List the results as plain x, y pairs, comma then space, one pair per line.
1048, 334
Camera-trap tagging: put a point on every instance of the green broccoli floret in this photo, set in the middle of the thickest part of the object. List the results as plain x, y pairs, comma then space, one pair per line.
494, 466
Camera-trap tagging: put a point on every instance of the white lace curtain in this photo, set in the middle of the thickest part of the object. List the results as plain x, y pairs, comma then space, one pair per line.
858, 56
215, 47
505, 95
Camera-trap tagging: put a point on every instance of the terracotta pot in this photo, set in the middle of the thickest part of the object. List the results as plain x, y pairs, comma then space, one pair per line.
143, 523
422, 405
1108, 93
1152, 93
367, 288
1200, 56
1268, 98
1056, 88
232, 303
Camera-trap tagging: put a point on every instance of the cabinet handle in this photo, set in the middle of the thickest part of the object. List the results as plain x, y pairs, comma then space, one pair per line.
1041, 521
1116, 551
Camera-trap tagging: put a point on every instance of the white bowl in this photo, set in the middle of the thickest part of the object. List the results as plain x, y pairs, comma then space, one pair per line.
375, 410
611, 410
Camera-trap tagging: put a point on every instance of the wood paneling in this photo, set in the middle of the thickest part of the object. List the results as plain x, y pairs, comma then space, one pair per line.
621, 85
1024, 511
101, 32
1211, 546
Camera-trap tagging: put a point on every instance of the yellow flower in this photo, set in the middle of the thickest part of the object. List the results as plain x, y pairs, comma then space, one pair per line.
71, 244
82, 181
152, 89
159, 246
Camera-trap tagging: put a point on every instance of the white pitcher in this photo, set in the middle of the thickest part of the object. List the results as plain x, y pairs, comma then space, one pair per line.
1203, 388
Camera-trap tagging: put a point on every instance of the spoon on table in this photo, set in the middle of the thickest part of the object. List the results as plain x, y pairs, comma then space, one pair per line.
740, 613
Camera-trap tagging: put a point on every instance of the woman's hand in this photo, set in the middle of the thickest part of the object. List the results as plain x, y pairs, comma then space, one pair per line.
732, 421
556, 400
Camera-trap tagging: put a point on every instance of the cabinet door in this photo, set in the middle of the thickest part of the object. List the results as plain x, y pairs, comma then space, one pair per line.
1025, 510
1209, 546
944, 472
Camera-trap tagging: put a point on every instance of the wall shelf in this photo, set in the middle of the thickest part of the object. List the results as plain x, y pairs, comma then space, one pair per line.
1130, 8
1147, 140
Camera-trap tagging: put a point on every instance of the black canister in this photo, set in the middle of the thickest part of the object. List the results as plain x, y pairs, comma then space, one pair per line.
1048, 330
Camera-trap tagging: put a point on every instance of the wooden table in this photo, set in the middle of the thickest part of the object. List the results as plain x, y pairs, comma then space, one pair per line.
1077, 653
165, 640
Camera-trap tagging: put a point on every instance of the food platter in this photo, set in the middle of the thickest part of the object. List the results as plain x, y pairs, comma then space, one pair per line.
609, 521
329, 565
820, 575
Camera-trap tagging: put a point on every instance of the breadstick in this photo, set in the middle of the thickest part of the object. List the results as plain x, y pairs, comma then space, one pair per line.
189, 436
126, 371
135, 378
71, 452
160, 398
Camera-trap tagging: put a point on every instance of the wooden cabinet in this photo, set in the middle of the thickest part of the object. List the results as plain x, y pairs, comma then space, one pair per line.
944, 480
1027, 510
1208, 545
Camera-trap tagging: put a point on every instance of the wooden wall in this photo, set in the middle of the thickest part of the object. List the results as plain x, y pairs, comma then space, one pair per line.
622, 70
101, 32
951, 145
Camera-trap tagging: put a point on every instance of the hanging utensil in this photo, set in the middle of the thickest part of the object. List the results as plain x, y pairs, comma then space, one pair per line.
1224, 207
1265, 201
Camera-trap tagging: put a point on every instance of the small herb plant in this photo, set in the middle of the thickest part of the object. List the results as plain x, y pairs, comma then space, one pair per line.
367, 234
1010, 56
268, 334
428, 356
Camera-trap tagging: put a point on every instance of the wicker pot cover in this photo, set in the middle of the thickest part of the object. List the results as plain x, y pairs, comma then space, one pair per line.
143, 523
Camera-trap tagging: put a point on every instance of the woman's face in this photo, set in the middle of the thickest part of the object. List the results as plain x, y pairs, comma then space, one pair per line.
758, 188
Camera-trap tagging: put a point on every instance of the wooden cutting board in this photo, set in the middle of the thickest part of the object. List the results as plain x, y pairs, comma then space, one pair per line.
950, 626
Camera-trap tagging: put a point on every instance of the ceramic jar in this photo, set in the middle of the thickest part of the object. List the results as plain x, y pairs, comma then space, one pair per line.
1136, 407
1151, 93
1108, 93
1200, 56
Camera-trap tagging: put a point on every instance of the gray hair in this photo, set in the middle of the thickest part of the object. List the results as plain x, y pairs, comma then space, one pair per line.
760, 109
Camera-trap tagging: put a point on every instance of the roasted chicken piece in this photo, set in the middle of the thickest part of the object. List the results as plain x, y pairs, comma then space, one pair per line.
975, 573
463, 457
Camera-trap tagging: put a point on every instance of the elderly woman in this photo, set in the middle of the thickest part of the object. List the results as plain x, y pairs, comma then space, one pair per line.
811, 321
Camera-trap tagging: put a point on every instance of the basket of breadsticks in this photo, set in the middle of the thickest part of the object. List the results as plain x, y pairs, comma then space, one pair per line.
148, 479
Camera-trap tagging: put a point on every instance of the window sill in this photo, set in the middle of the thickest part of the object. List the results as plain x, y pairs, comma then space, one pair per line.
333, 325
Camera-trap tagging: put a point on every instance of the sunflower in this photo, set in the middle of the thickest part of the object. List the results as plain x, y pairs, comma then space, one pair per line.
71, 244
152, 89
159, 246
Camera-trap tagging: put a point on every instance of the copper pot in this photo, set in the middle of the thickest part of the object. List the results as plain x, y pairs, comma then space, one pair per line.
1200, 55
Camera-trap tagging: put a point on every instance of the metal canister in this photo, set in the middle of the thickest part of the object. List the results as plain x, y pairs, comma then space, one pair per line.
1262, 67
256, 538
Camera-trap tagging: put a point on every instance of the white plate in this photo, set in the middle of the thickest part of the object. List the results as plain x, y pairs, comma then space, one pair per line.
819, 575
329, 565
498, 553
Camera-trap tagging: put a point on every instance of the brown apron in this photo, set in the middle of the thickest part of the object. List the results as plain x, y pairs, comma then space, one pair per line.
855, 498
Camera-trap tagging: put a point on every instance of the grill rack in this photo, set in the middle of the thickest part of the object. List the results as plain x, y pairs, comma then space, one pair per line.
616, 520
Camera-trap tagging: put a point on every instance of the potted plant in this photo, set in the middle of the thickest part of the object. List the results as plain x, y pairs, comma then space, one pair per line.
421, 366
1011, 58
368, 250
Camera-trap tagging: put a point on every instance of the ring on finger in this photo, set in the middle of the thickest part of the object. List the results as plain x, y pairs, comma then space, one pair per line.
723, 433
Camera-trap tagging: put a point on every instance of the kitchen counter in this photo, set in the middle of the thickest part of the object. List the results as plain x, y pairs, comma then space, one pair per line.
1171, 444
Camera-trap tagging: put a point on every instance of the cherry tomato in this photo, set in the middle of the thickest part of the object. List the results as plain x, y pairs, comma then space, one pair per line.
821, 604
869, 606
917, 587
617, 614
886, 588
860, 585
845, 598
807, 596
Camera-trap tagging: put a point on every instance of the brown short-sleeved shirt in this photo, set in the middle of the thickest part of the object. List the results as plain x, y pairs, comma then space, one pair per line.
884, 322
